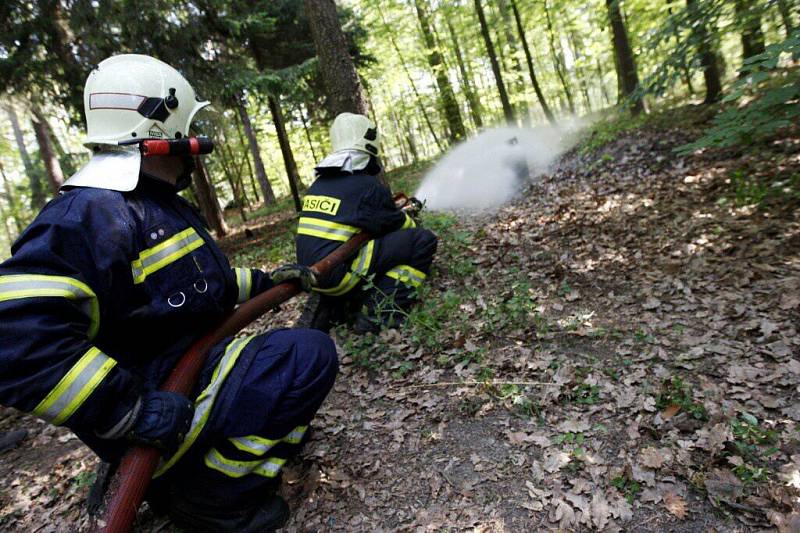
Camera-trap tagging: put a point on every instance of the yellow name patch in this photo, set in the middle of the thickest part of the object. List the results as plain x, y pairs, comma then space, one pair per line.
321, 204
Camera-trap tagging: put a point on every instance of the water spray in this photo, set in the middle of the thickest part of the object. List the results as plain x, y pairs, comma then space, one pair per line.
492, 167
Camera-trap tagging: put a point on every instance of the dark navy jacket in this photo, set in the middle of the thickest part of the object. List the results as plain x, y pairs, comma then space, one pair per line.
337, 206
103, 293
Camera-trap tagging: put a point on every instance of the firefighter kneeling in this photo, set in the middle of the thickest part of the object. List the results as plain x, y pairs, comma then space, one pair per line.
111, 284
347, 197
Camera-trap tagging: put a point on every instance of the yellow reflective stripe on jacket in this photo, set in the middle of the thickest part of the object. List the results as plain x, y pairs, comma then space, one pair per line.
165, 253
408, 275
409, 223
259, 445
17, 286
267, 467
244, 279
205, 401
75, 387
358, 269
324, 229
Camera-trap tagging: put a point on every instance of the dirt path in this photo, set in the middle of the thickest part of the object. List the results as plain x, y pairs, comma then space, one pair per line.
616, 351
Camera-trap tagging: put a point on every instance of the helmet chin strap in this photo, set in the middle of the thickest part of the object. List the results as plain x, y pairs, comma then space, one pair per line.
185, 177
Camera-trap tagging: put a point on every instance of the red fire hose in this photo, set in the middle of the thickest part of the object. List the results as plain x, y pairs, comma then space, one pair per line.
127, 489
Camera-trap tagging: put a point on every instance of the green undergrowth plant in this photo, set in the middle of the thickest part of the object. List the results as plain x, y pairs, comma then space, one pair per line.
765, 99
674, 392
607, 130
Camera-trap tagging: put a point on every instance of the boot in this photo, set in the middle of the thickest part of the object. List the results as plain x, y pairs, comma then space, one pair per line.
267, 517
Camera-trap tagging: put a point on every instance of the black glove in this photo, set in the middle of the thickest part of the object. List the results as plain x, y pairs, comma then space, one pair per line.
163, 420
295, 271
413, 207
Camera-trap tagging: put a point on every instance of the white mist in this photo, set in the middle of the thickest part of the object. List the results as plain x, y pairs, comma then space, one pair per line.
487, 170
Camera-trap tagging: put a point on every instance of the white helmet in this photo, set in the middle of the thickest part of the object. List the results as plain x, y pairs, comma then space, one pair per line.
355, 132
131, 97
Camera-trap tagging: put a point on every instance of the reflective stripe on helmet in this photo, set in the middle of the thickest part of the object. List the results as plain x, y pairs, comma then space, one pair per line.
75, 387
324, 229
161, 255
408, 275
268, 467
16, 286
358, 270
244, 279
127, 101
205, 401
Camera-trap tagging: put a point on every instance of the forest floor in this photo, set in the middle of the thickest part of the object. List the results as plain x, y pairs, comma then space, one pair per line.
615, 350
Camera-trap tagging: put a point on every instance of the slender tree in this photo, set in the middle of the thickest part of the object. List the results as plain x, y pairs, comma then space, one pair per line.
255, 151
38, 198
418, 97
336, 67
466, 79
748, 16
626, 64
47, 151
508, 111
207, 198
558, 59
286, 150
529, 59
11, 200
447, 98
705, 49
786, 17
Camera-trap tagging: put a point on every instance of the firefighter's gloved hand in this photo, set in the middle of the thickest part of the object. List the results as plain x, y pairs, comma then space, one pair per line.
295, 271
413, 207
164, 418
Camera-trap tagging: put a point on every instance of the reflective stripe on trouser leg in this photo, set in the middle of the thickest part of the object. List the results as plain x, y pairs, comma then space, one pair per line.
358, 270
75, 387
205, 401
407, 275
258, 446
269, 467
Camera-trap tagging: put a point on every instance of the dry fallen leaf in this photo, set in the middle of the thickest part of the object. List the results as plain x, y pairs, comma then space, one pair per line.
675, 505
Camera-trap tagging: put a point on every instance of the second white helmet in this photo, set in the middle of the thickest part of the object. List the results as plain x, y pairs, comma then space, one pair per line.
130, 98
355, 132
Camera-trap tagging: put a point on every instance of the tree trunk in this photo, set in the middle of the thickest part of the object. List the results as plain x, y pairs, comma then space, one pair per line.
749, 19
255, 151
47, 151
38, 198
447, 98
227, 157
243, 143
558, 60
469, 92
12, 202
708, 58
207, 198
625, 60
601, 80
286, 149
418, 97
529, 59
513, 47
336, 67
308, 133
786, 17
508, 111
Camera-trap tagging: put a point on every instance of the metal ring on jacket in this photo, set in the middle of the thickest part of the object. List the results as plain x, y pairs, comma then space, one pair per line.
204, 285
183, 299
